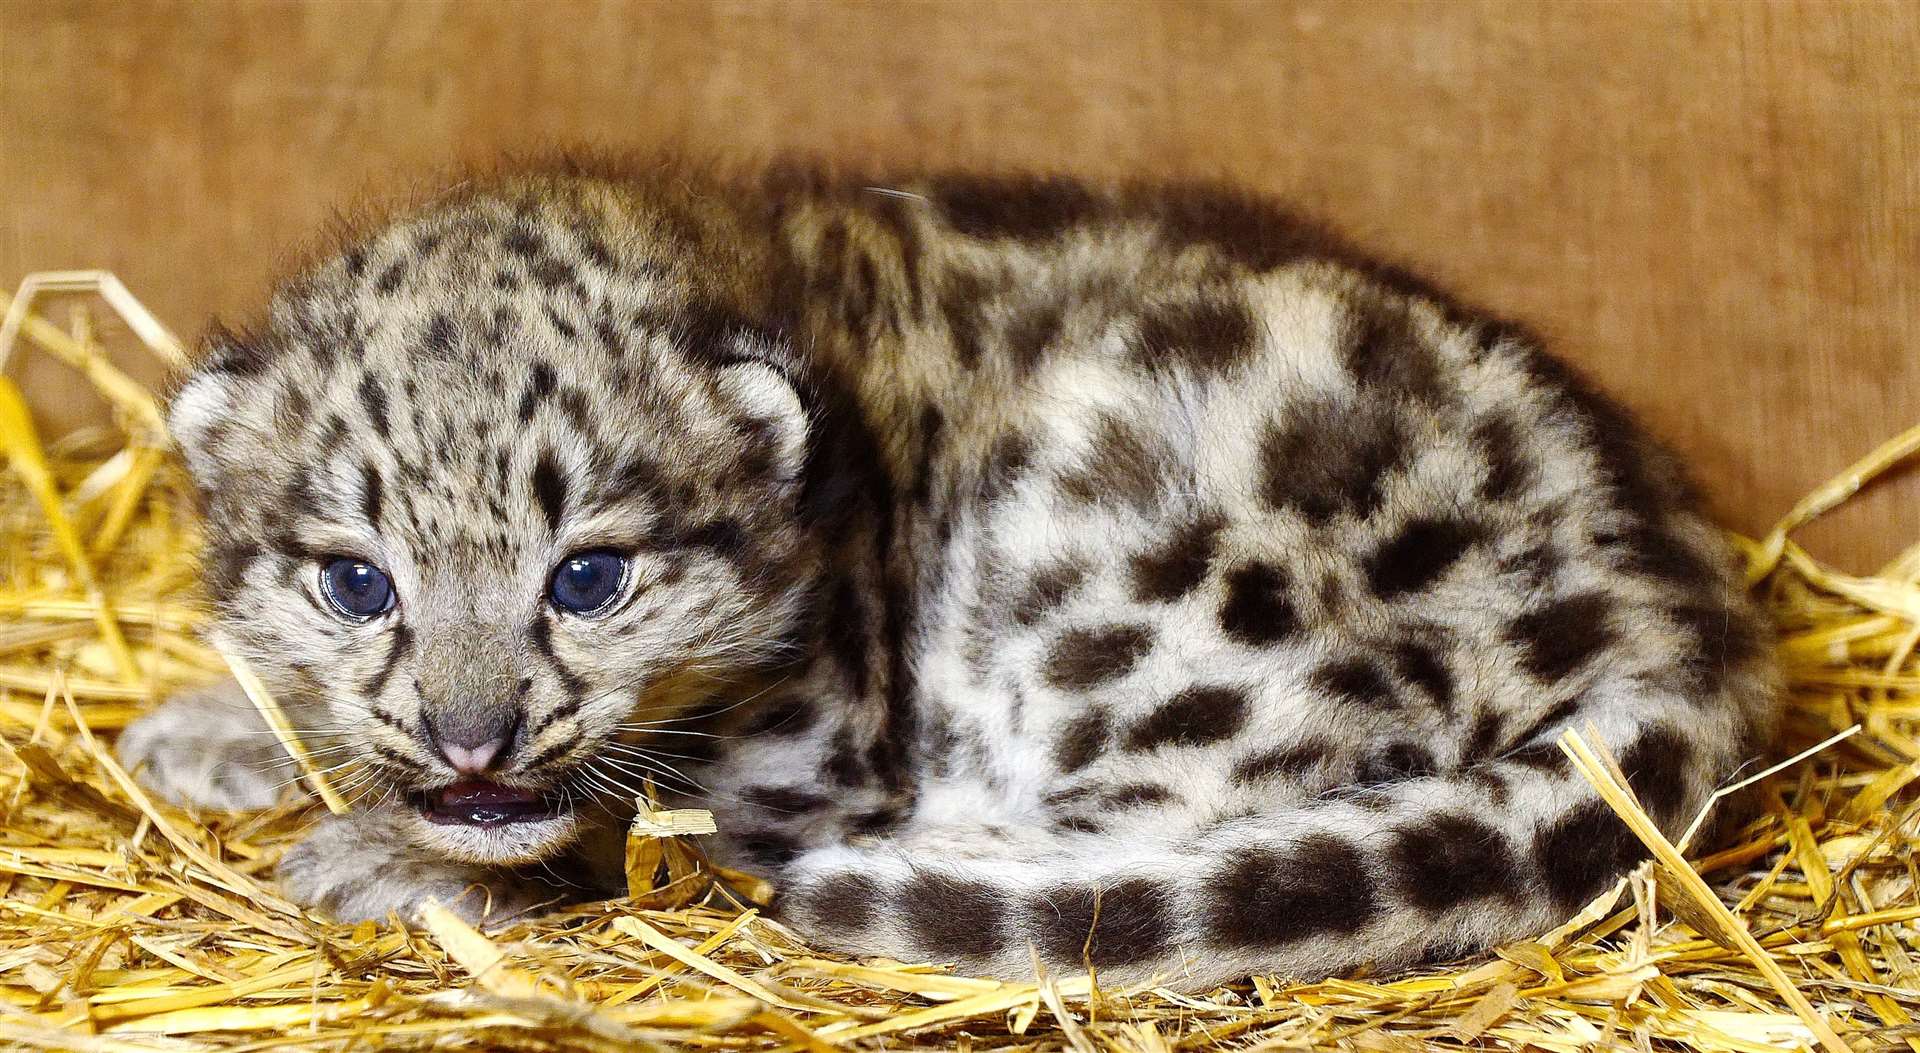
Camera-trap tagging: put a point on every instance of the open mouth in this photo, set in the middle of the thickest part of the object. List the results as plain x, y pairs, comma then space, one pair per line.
477, 802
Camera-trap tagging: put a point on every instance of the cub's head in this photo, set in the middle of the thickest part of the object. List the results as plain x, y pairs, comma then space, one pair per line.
497, 487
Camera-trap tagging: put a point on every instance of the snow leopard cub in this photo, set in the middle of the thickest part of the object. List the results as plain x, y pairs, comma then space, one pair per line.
1126, 576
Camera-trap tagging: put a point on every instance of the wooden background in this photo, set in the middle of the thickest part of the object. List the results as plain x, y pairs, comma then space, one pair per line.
1713, 207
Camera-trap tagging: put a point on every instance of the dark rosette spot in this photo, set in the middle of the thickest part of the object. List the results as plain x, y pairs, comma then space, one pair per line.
1418, 556
1265, 897
1193, 717
1355, 680
1257, 610
952, 915
1559, 638
1178, 565
1656, 766
1081, 740
1328, 456
1129, 922
1582, 852
1212, 334
1084, 658
1448, 859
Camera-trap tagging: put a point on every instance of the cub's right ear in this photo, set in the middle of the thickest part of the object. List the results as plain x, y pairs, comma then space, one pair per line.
206, 407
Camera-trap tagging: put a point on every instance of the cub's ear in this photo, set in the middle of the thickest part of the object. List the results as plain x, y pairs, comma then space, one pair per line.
206, 408
777, 417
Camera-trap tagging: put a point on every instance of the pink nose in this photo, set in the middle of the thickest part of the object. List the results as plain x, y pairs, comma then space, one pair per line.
473, 740
471, 760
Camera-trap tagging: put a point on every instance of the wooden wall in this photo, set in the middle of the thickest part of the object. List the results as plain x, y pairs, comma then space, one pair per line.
1713, 207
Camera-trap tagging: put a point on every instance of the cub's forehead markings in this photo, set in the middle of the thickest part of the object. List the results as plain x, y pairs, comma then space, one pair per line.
550, 489
560, 325
522, 240
371, 495
440, 337
540, 384
373, 399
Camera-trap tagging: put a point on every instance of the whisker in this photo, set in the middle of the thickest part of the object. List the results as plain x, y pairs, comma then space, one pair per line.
658, 776
673, 731
685, 716
655, 772
672, 779
632, 750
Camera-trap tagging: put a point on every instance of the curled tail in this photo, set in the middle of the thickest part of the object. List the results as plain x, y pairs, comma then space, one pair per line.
1426, 868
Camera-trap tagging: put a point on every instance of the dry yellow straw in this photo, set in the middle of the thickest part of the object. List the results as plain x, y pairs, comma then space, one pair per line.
480, 957
1728, 928
1829, 496
124, 392
25, 454
128, 493
217, 870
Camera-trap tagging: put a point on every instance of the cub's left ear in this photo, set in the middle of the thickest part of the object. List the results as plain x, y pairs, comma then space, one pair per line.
776, 417
204, 409
218, 415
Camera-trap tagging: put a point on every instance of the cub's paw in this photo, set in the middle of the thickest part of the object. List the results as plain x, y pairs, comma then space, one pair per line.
210, 750
358, 867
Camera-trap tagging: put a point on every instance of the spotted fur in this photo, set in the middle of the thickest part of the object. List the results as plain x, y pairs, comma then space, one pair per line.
1128, 576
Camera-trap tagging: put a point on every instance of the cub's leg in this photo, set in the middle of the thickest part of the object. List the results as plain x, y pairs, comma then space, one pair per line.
209, 749
362, 866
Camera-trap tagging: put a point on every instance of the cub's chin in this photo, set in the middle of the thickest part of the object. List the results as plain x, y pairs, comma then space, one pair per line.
480, 821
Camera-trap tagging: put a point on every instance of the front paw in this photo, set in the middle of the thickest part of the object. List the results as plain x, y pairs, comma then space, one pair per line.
209, 750
358, 868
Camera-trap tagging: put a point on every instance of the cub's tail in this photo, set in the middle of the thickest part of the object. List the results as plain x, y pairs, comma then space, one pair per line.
1424, 869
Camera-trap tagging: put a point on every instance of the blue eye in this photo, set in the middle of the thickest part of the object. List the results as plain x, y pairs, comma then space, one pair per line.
585, 582
356, 588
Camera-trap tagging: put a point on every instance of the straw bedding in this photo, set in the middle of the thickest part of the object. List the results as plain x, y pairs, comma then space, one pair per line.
125, 924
